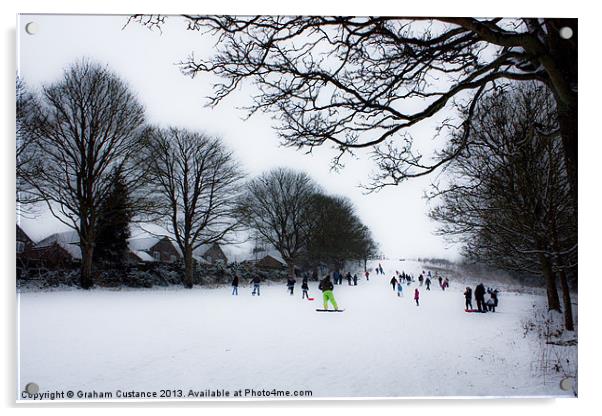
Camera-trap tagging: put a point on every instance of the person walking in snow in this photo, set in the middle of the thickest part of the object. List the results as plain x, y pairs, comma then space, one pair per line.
427, 282
367, 273
255, 281
416, 296
479, 296
290, 284
399, 289
305, 288
355, 279
420, 279
393, 283
349, 277
235, 285
440, 282
326, 287
468, 296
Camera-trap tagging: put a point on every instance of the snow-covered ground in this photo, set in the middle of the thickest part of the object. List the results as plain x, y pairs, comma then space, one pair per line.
381, 346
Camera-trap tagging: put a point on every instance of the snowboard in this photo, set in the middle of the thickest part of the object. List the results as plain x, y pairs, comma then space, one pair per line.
330, 310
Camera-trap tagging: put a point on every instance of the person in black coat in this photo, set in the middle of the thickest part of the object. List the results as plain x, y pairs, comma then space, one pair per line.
479, 296
305, 288
393, 283
427, 282
235, 286
290, 284
348, 277
468, 296
355, 279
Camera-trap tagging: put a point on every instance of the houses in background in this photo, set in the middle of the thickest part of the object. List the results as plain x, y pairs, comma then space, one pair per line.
62, 249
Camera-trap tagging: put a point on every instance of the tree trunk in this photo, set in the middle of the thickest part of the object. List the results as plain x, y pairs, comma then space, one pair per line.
86, 267
566, 301
291, 268
567, 117
188, 267
550, 279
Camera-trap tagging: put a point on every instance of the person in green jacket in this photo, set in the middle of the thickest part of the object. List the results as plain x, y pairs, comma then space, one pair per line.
326, 288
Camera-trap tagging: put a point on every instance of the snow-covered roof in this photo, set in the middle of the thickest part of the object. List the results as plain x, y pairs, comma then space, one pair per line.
263, 253
146, 243
143, 256
68, 240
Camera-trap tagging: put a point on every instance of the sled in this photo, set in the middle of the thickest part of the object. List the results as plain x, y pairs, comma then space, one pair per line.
471, 310
330, 310
310, 298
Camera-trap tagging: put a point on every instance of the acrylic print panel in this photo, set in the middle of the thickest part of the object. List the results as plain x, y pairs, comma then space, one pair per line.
194, 192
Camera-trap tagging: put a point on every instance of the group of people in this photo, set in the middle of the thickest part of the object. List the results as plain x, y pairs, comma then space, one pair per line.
379, 269
338, 278
483, 305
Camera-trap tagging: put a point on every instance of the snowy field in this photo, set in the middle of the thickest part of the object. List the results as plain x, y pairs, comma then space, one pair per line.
381, 346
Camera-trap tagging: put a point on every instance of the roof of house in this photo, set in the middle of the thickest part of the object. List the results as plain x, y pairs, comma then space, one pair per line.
68, 240
143, 256
146, 243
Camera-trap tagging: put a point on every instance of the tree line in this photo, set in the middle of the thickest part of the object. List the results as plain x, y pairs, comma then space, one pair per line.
86, 150
509, 197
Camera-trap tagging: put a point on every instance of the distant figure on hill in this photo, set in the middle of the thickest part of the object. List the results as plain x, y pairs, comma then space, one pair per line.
399, 289
479, 296
326, 287
468, 296
235, 285
427, 282
256, 282
305, 288
420, 279
290, 284
349, 277
440, 282
417, 296
355, 279
393, 283
367, 273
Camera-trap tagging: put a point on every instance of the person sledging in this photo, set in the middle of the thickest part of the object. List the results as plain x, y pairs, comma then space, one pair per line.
326, 287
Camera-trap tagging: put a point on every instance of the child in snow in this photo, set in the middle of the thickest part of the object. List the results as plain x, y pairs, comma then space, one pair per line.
256, 281
326, 287
290, 284
235, 286
399, 289
393, 282
416, 296
468, 296
305, 288
355, 279
367, 275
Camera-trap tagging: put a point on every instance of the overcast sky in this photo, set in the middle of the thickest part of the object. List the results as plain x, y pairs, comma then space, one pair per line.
147, 61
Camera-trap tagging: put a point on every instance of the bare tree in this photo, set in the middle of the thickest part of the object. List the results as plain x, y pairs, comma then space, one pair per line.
276, 205
196, 180
86, 125
25, 149
363, 82
509, 199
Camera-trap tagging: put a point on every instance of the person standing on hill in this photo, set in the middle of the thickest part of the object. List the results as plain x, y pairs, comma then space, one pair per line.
355, 279
256, 282
416, 296
393, 283
468, 296
399, 289
479, 296
420, 279
235, 285
349, 277
367, 273
326, 287
290, 284
427, 282
305, 288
